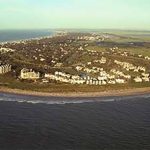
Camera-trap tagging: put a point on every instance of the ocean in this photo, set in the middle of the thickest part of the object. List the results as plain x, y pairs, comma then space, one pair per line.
15, 35
54, 123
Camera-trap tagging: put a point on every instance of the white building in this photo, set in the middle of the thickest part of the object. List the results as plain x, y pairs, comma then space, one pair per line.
120, 81
29, 74
5, 68
146, 79
138, 79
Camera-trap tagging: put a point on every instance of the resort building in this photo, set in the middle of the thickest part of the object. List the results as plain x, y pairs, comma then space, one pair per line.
29, 74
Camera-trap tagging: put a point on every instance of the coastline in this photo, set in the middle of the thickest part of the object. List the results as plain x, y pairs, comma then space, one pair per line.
113, 92
53, 34
124, 92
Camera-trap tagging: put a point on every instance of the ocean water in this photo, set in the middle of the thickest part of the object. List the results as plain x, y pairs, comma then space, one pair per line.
15, 35
54, 123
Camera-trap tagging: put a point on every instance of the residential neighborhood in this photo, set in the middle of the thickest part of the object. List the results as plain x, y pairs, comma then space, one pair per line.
74, 58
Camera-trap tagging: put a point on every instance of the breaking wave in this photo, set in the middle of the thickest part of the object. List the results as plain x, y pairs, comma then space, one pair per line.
50, 102
62, 101
53, 100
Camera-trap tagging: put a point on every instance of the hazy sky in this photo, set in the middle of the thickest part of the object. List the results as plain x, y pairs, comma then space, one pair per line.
122, 14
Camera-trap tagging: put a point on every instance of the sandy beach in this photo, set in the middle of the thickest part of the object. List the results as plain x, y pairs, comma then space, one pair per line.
124, 92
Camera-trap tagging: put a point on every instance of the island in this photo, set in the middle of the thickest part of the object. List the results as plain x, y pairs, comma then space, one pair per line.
75, 63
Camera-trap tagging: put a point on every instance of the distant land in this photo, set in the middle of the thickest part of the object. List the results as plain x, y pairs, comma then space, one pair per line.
22, 34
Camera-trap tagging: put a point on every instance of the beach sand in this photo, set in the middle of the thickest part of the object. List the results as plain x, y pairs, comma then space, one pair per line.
124, 92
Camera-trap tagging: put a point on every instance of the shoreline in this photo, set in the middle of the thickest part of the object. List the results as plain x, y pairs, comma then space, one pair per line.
29, 39
123, 92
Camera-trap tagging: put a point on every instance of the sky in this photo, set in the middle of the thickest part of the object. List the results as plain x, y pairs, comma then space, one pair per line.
83, 14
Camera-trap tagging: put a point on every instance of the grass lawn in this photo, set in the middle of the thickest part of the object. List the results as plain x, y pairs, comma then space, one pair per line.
143, 51
96, 48
139, 50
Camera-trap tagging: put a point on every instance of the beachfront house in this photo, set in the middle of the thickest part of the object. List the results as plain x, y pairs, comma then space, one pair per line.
5, 68
138, 79
29, 74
